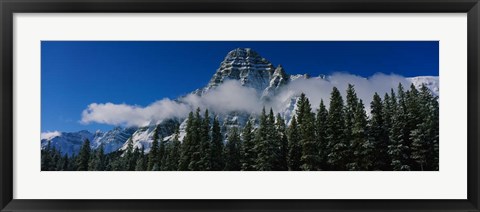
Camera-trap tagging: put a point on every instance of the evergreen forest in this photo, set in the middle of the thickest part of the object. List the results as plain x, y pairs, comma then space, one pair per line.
399, 133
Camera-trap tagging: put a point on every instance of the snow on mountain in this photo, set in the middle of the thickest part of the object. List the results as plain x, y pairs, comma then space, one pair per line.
245, 65
242, 64
143, 137
431, 82
112, 140
70, 142
50, 135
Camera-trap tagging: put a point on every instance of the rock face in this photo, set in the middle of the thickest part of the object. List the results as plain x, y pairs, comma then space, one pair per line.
246, 66
241, 64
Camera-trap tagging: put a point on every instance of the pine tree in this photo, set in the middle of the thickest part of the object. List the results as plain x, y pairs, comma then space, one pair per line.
306, 120
186, 151
432, 159
425, 135
321, 136
232, 151
83, 158
205, 143
161, 153
294, 147
281, 128
337, 146
387, 111
414, 117
153, 154
66, 165
264, 145
248, 148
46, 159
398, 150
174, 157
141, 164
378, 134
60, 166
274, 142
216, 156
349, 116
128, 157
362, 148
195, 146
98, 162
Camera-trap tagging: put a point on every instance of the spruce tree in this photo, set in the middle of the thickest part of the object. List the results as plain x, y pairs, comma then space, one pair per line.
66, 165
153, 154
83, 158
264, 144
216, 155
98, 162
321, 135
294, 147
141, 164
128, 157
274, 142
195, 146
60, 163
248, 148
46, 159
194, 133
281, 129
205, 143
306, 120
349, 116
378, 134
161, 153
387, 112
188, 142
398, 150
425, 135
337, 146
232, 151
362, 147
414, 118
174, 158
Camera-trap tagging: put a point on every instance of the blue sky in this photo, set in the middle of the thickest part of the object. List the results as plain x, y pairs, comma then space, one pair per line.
78, 73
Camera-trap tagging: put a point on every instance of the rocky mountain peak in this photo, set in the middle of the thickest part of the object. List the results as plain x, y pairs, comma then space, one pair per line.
246, 66
280, 72
242, 53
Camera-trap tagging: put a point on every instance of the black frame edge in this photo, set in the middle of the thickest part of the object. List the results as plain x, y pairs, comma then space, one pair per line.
6, 108
241, 6
8, 7
473, 105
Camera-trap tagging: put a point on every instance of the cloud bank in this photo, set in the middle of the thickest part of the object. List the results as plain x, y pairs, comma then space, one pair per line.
317, 89
232, 96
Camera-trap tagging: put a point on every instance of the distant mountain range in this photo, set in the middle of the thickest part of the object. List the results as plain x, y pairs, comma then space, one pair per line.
241, 64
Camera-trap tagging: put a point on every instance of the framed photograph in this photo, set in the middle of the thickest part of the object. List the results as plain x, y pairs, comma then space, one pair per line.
242, 105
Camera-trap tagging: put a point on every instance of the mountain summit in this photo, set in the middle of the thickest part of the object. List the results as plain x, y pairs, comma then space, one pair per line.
245, 65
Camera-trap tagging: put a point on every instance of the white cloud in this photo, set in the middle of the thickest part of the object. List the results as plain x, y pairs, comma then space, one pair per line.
232, 96
49, 135
132, 115
229, 96
316, 89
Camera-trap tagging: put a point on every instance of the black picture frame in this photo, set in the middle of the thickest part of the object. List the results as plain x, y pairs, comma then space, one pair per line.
9, 7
